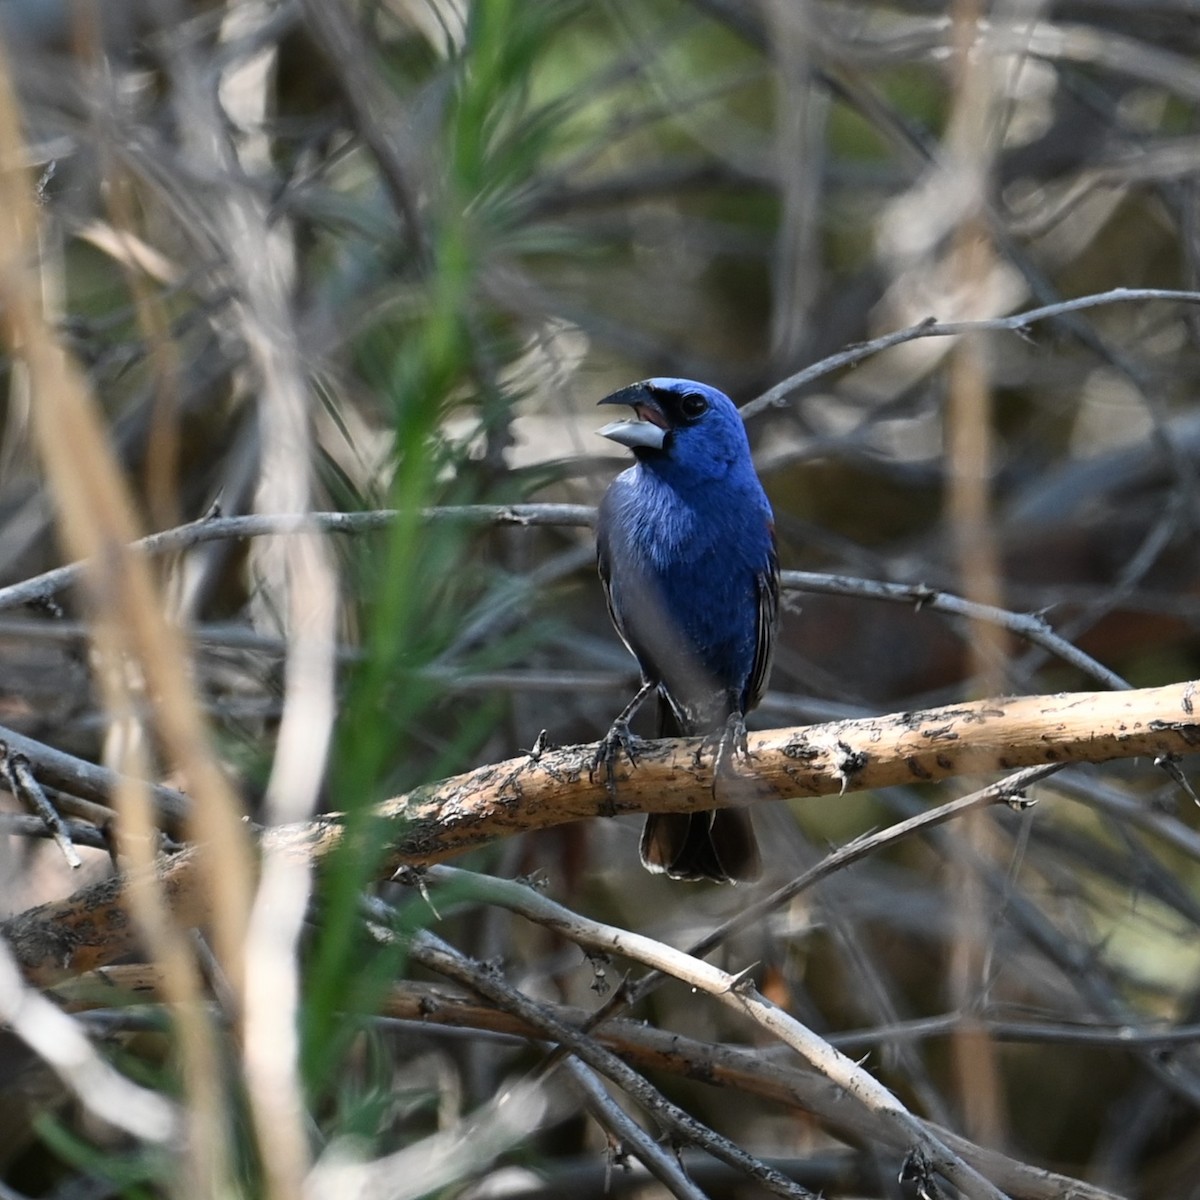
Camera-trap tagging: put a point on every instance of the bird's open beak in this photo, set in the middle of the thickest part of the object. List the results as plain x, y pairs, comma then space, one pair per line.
649, 431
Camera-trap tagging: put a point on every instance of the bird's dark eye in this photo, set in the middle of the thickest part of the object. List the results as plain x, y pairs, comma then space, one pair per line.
693, 405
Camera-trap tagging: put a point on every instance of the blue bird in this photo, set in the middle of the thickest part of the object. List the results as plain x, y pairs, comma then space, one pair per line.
685, 544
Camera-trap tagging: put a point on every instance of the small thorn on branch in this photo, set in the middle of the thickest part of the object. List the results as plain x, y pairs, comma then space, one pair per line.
1170, 764
416, 877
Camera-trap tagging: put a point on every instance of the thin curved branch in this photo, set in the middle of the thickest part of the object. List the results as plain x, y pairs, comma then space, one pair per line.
919, 595
778, 396
41, 589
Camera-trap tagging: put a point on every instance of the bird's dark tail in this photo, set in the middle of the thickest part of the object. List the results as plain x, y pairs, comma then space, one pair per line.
718, 845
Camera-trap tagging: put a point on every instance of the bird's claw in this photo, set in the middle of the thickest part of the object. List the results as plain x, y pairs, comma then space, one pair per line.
728, 744
616, 741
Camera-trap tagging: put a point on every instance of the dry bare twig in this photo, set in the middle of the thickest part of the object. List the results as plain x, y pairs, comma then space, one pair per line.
40, 588
23, 783
739, 993
77, 776
626, 1132
436, 955
778, 396
646, 1048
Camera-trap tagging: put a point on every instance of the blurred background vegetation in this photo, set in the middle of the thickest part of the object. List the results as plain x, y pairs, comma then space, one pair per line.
483, 216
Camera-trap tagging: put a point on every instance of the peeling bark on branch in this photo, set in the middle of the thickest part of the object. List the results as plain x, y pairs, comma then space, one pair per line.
434, 822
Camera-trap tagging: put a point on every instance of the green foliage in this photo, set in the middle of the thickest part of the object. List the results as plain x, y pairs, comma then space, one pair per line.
419, 581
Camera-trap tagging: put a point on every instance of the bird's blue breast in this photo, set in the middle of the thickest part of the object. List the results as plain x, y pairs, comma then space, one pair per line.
689, 561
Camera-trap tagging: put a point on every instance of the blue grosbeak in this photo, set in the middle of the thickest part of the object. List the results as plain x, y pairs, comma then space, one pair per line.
685, 544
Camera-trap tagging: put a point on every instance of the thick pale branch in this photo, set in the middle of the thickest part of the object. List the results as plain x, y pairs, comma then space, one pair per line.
440, 820
817, 760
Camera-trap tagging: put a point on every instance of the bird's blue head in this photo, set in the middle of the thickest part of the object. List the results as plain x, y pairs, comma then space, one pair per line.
685, 430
